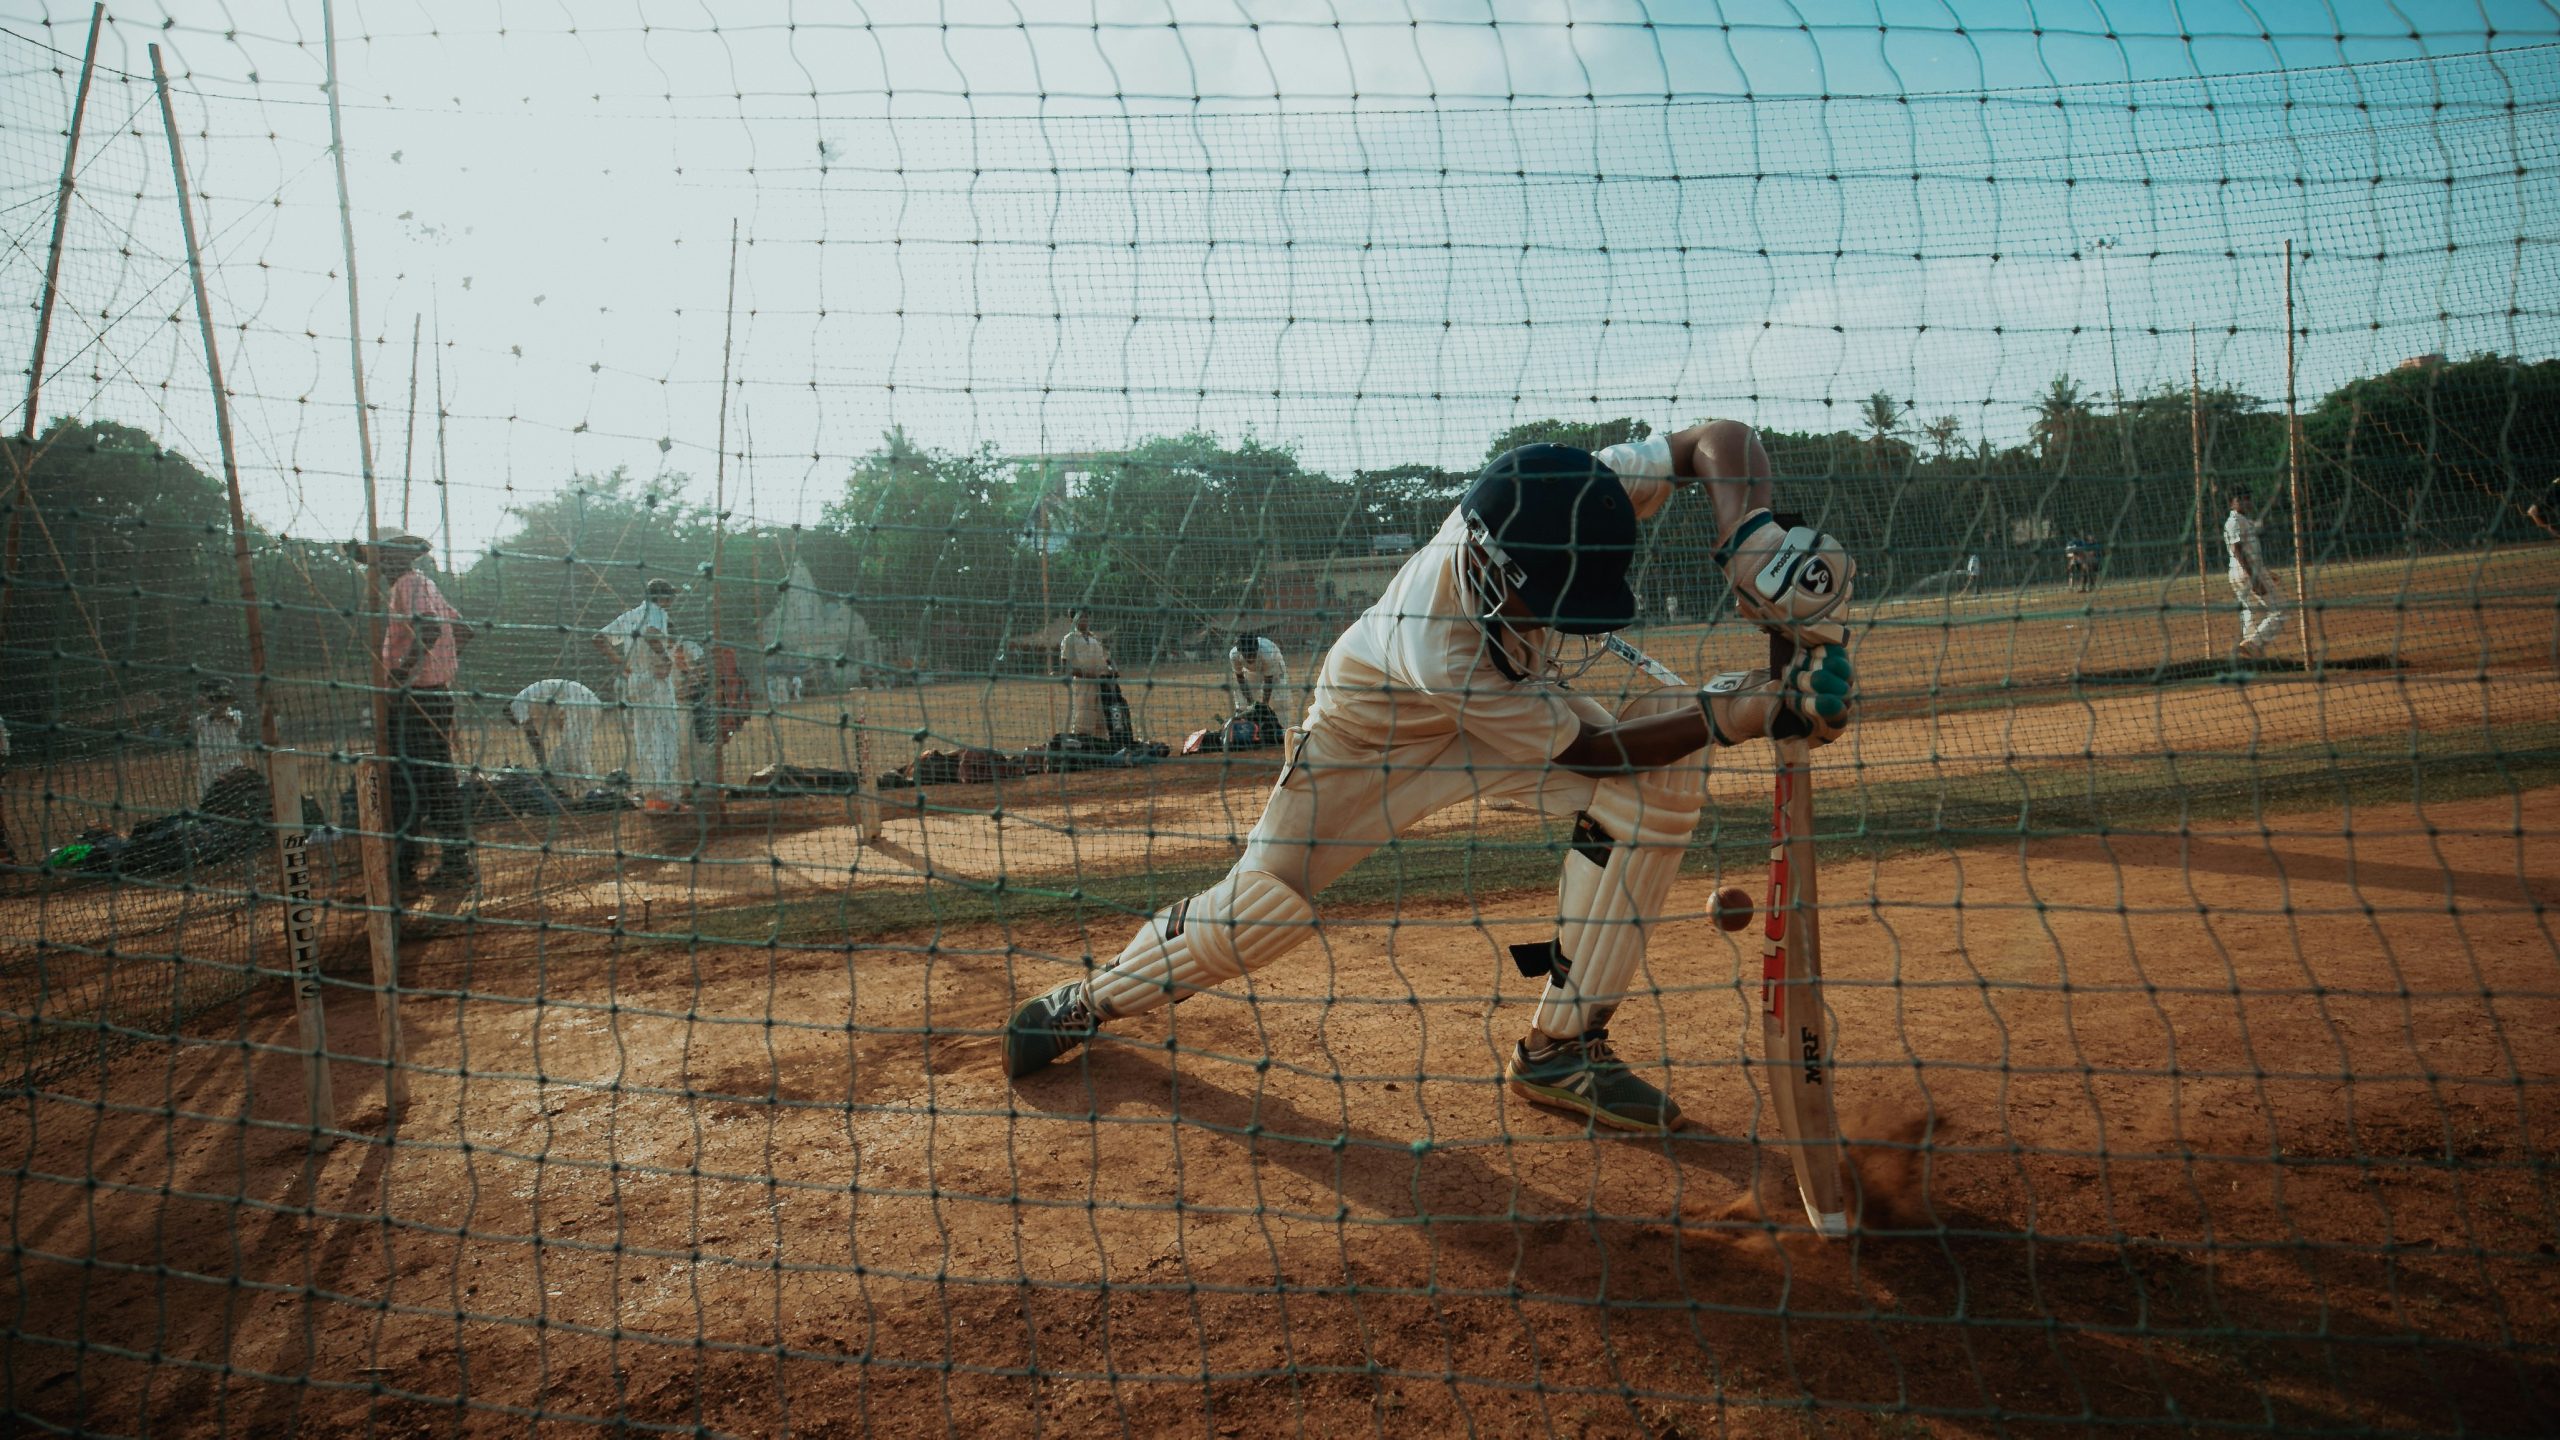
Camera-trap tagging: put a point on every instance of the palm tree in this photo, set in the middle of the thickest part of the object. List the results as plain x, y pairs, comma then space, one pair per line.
1941, 434
1883, 416
2062, 419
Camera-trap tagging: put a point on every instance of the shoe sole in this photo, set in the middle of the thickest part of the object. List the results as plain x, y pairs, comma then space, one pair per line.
1574, 1103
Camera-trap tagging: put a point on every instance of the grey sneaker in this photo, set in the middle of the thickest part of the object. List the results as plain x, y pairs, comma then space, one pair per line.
1046, 1027
1584, 1076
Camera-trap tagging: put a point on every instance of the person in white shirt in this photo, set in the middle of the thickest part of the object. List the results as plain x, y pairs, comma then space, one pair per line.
1452, 690
1087, 662
2260, 616
217, 736
639, 644
558, 718
1972, 572
1258, 674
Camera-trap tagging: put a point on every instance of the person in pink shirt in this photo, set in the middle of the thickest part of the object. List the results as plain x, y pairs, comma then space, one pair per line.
422, 641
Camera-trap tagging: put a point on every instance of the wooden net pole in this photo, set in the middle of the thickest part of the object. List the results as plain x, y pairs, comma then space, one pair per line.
719, 530
2195, 445
382, 926
293, 861
409, 455
2293, 468
27, 423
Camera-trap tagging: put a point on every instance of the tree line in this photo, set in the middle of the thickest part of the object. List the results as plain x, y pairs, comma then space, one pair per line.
967, 561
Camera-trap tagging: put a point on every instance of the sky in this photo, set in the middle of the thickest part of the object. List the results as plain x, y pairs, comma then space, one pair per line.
1380, 233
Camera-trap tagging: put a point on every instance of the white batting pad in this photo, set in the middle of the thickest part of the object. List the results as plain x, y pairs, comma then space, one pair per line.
1242, 923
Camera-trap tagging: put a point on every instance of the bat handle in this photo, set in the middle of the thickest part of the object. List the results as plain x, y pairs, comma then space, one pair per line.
1782, 648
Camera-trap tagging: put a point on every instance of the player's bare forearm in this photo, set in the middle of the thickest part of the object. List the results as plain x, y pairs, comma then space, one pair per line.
1646, 743
1728, 455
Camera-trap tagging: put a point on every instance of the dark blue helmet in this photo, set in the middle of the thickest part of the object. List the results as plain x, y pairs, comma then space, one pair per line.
1559, 531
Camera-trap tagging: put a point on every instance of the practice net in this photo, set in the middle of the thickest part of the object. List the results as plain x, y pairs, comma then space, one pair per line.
557, 1044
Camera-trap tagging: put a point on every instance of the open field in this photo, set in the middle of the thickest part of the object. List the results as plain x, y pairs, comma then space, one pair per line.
2445, 616
2255, 1115
2034, 712
2222, 1002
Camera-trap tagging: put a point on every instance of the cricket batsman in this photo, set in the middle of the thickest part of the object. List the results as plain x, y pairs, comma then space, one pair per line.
1454, 689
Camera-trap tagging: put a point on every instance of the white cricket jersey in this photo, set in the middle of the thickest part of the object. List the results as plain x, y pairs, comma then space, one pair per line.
1084, 654
2240, 537
627, 631
1266, 663
1418, 667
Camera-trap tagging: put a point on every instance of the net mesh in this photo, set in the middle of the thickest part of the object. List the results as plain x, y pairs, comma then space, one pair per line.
865, 456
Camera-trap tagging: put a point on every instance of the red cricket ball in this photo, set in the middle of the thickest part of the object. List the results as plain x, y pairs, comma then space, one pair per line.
1731, 907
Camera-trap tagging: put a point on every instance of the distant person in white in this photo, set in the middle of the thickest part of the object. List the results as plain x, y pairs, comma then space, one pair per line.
217, 735
1972, 572
558, 718
2260, 616
1259, 674
1087, 662
636, 642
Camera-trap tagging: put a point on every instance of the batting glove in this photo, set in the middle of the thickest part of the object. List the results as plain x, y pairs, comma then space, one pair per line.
1812, 700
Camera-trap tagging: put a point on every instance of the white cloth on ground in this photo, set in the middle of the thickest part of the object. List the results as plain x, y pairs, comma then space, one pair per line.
566, 713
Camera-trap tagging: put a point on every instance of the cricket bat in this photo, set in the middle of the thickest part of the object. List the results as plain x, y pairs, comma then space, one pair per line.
1795, 1039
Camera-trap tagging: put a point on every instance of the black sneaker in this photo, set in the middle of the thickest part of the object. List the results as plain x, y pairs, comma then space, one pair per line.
1584, 1076
1046, 1027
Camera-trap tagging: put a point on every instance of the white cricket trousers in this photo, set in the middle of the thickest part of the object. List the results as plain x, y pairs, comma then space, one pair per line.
1336, 802
656, 725
1084, 706
1339, 803
2261, 618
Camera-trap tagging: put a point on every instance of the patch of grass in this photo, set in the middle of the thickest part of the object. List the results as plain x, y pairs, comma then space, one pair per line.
2016, 806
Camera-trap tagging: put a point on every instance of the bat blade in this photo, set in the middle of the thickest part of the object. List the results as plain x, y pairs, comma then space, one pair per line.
1795, 1037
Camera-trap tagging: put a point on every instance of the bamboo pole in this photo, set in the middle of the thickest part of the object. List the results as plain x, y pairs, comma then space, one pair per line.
444, 487
293, 861
719, 530
2293, 468
381, 925
409, 456
61, 220
44, 314
2195, 445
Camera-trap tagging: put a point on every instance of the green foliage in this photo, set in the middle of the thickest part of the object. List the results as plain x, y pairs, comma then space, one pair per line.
937, 548
125, 594
1407, 499
1587, 435
967, 561
2433, 452
2063, 428
573, 561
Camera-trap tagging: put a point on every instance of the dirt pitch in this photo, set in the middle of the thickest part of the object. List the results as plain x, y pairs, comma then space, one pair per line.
2242, 1129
